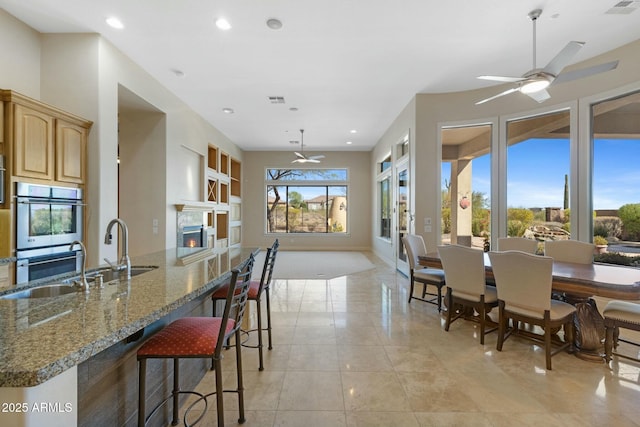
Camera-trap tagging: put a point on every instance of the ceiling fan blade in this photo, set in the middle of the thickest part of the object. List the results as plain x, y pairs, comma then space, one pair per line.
539, 96
312, 160
506, 92
299, 155
502, 79
586, 72
300, 160
562, 58
320, 156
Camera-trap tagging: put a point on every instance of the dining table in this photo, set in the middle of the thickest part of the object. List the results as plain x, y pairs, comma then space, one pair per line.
577, 284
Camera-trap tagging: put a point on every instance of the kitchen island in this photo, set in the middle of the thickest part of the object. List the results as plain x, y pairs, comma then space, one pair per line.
76, 338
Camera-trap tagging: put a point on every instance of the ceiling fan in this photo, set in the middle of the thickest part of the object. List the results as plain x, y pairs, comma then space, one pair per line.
535, 82
301, 158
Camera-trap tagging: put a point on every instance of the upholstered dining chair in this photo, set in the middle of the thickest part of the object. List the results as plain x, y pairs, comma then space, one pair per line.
523, 282
203, 338
255, 294
415, 247
518, 244
466, 285
570, 251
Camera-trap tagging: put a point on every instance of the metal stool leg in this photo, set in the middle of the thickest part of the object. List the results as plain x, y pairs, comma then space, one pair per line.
259, 311
268, 317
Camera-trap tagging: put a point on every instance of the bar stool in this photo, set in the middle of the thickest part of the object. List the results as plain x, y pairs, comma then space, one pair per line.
619, 314
199, 337
255, 294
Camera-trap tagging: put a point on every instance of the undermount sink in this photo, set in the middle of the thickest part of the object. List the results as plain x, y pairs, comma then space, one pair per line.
45, 291
68, 287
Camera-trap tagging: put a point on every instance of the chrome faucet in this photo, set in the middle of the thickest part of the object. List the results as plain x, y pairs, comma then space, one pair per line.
82, 281
124, 263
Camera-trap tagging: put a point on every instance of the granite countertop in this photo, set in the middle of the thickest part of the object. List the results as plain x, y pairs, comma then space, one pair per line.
7, 260
42, 337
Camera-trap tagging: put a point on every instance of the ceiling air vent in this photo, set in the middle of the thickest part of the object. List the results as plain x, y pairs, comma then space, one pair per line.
276, 99
624, 7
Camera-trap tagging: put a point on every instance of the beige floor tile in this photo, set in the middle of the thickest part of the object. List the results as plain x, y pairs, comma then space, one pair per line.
313, 357
311, 391
381, 419
363, 358
373, 391
310, 419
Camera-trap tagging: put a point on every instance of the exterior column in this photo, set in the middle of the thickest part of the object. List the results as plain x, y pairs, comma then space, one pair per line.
461, 195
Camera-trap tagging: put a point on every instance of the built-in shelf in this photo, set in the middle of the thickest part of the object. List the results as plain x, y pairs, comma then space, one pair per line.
212, 158
224, 163
235, 178
222, 198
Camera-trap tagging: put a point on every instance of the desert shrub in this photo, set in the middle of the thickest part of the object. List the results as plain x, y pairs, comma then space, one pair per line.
630, 216
446, 220
480, 222
516, 228
607, 226
525, 216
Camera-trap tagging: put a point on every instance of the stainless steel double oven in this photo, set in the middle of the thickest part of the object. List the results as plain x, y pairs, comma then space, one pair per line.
48, 220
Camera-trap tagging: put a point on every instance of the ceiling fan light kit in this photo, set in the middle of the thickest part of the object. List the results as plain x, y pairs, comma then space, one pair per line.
301, 158
535, 82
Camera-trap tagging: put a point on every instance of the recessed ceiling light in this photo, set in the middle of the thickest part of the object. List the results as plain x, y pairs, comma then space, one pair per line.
223, 24
228, 110
274, 24
178, 73
293, 109
353, 131
349, 142
114, 22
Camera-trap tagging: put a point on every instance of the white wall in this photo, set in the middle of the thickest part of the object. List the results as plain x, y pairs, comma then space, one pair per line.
254, 201
20, 47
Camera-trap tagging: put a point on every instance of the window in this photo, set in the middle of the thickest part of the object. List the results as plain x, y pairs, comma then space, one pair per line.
466, 184
307, 201
538, 153
385, 164
385, 207
616, 182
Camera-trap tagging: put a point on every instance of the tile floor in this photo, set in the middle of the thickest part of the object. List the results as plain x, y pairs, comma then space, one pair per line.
351, 352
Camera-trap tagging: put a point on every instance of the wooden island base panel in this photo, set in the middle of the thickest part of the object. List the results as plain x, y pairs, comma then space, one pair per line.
577, 284
76, 352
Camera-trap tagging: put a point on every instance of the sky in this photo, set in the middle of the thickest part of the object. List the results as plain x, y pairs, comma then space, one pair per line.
536, 170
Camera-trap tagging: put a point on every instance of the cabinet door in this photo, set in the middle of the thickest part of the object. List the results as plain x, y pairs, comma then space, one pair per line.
33, 154
71, 143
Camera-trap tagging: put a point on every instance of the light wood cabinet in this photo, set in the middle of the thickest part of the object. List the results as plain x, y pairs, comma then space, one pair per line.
45, 143
33, 143
71, 152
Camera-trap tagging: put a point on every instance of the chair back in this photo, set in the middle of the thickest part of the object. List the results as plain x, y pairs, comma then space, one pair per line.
570, 251
463, 270
267, 269
523, 244
523, 281
236, 302
414, 244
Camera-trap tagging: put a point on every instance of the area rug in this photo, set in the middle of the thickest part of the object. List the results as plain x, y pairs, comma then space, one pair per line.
314, 264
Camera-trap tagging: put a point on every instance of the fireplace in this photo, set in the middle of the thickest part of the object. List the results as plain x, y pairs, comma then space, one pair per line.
194, 236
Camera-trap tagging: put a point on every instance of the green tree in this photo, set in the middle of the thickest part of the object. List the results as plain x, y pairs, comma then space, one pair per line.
630, 216
518, 220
